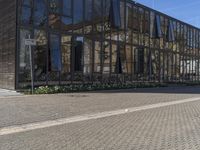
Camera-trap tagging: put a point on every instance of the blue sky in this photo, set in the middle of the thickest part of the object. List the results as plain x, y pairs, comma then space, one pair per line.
185, 10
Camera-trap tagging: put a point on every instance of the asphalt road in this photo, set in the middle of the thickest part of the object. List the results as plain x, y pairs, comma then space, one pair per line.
153, 119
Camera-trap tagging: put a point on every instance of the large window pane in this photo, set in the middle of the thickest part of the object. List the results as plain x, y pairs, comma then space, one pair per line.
66, 53
55, 53
78, 11
24, 59
140, 63
26, 2
67, 7
97, 12
26, 15
106, 5
157, 32
114, 57
128, 55
54, 21
40, 15
78, 53
66, 23
106, 58
40, 53
87, 56
55, 6
88, 10
97, 57
115, 14
170, 32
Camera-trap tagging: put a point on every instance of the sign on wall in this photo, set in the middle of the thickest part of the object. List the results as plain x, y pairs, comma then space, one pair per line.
30, 42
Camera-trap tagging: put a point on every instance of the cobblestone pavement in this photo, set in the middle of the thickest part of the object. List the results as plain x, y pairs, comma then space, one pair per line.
174, 127
23, 109
171, 128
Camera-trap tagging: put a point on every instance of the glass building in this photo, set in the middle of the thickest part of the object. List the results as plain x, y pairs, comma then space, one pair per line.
94, 41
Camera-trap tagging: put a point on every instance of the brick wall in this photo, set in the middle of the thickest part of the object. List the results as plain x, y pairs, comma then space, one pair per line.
7, 43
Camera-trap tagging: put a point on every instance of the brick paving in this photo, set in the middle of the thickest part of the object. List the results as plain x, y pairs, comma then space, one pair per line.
171, 128
22, 110
174, 127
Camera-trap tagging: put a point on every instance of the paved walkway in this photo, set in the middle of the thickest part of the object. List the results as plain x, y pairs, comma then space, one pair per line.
145, 119
6, 93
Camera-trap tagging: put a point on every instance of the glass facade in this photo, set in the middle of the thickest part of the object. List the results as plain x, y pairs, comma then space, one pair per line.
87, 41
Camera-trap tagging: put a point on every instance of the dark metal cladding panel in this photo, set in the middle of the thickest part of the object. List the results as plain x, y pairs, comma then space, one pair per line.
7, 43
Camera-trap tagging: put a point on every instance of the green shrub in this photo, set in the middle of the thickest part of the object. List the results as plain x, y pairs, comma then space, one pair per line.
91, 87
